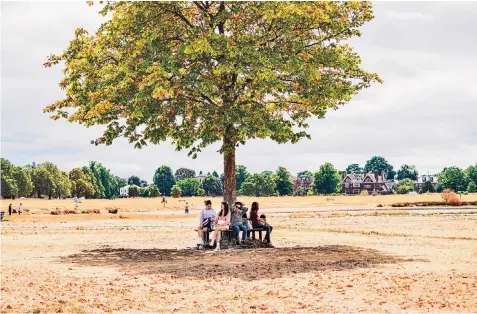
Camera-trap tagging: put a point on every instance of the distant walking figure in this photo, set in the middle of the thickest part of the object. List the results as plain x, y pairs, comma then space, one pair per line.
186, 208
10, 210
20, 209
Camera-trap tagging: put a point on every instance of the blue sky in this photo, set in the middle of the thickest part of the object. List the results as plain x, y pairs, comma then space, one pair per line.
424, 113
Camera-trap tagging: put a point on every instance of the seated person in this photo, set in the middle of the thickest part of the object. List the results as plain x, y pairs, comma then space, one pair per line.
236, 223
207, 213
259, 222
221, 224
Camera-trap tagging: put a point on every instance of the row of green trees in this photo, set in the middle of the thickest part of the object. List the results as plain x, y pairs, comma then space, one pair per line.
96, 181
46, 179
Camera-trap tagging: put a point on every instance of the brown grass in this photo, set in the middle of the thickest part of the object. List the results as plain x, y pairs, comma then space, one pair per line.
286, 202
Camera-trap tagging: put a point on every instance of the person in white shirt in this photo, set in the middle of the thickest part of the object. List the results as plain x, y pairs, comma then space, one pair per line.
20, 210
207, 212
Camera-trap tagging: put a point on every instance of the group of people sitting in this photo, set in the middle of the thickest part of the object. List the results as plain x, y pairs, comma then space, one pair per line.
236, 220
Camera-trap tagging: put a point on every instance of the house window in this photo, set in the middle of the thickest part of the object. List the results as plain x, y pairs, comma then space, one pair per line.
356, 185
347, 185
356, 191
368, 186
346, 191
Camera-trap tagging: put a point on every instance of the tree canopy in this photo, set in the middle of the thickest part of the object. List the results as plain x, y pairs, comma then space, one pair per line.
407, 172
164, 179
202, 72
327, 180
354, 168
283, 182
379, 163
184, 173
258, 184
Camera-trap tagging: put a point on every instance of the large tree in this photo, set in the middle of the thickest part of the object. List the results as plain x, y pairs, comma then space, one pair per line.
164, 179
258, 184
283, 181
189, 187
305, 173
407, 172
212, 186
327, 180
452, 178
203, 72
379, 163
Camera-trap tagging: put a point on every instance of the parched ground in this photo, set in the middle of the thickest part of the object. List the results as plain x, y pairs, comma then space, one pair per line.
391, 261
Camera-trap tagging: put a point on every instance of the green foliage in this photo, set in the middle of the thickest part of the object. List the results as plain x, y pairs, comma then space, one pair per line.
379, 163
200, 192
327, 180
134, 180
212, 186
353, 168
176, 191
134, 191
143, 192
472, 187
405, 186
258, 185
15, 180
153, 191
304, 173
184, 173
249, 69
283, 182
241, 175
309, 193
81, 183
164, 179
452, 178
471, 174
427, 187
143, 184
189, 187
215, 174
407, 172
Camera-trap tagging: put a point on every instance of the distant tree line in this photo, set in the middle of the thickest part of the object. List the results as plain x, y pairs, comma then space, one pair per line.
96, 181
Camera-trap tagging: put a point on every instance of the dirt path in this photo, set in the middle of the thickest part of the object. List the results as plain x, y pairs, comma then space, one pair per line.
91, 263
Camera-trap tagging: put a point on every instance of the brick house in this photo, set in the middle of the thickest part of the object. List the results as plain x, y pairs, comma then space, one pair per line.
303, 182
354, 183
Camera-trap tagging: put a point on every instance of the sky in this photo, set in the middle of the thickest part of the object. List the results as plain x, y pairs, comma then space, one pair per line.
424, 114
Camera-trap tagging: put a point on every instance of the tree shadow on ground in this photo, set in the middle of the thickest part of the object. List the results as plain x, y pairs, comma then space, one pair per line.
244, 264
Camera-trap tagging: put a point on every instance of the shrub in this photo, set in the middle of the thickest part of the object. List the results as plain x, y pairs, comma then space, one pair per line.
364, 192
113, 210
79, 228
451, 198
176, 191
380, 205
133, 191
471, 187
55, 212
200, 192
69, 211
374, 194
309, 193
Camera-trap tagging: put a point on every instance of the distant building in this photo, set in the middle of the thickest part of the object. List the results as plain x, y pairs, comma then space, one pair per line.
124, 191
373, 182
421, 180
200, 176
303, 182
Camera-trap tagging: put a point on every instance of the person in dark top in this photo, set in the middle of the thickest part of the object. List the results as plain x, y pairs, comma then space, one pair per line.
10, 209
259, 222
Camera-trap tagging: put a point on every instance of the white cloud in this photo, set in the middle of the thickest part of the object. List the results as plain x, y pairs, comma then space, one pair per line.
404, 16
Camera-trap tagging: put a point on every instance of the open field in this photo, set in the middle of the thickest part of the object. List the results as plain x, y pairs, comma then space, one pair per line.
286, 203
335, 261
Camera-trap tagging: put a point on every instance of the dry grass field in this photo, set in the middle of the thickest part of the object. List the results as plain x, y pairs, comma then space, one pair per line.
285, 203
330, 256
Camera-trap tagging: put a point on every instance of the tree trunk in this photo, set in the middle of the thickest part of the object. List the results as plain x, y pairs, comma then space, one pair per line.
230, 193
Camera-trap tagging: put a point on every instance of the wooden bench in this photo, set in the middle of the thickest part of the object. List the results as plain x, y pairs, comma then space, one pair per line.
229, 235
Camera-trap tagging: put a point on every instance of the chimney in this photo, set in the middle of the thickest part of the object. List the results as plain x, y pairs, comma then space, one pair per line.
382, 175
376, 175
344, 174
365, 173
